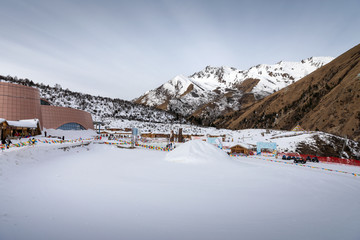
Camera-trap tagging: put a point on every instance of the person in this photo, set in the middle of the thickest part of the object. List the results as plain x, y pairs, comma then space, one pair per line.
33, 141
8, 142
45, 133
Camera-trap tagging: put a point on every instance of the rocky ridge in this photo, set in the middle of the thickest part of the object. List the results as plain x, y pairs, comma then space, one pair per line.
214, 91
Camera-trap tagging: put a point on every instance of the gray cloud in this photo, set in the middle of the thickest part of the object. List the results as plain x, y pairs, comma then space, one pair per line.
124, 48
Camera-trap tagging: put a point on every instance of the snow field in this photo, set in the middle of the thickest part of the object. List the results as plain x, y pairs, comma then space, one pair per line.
103, 192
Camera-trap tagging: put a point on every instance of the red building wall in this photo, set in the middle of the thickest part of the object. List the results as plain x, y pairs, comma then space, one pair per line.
19, 102
54, 117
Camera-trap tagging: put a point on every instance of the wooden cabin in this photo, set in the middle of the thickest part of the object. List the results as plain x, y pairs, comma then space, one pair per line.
238, 149
19, 128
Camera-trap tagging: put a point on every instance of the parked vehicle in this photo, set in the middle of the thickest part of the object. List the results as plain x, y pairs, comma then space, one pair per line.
299, 160
284, 157
308, 158
288, 158
315, 159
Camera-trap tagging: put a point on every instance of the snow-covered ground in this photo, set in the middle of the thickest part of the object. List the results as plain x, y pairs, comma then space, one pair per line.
70, 134
104, 192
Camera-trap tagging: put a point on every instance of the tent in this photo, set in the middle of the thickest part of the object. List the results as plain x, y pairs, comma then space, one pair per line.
298, 128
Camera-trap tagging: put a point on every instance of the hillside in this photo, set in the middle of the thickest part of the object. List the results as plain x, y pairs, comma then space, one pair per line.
212, 92
326, 100
101, 108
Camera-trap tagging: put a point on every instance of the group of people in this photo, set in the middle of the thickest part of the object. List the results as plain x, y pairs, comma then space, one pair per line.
32, 141
170, 145
111, 137
6, 142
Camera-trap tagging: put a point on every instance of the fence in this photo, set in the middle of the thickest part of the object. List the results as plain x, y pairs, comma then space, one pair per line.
353, 162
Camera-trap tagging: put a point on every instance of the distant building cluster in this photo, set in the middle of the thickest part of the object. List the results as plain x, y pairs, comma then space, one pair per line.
19, 103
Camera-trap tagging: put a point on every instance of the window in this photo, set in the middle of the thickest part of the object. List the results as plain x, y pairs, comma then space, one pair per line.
44, 102
71, 126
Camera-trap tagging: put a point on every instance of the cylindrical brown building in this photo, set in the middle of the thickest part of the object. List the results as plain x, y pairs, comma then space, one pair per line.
65, 118
19, 102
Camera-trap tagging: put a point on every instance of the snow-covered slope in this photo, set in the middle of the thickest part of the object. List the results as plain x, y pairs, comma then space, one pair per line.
224, 87
174, 88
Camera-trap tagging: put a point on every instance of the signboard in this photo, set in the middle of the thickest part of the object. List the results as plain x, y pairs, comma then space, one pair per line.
135, 131
215, 141
265, 145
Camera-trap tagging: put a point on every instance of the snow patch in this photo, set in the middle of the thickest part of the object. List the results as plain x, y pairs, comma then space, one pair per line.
70, 134
198, 152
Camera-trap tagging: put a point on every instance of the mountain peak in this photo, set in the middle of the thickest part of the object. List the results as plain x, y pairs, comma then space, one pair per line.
227, 85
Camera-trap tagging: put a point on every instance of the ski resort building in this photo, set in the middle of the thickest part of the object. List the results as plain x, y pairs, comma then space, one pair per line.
239, 149
18, 102
24, 128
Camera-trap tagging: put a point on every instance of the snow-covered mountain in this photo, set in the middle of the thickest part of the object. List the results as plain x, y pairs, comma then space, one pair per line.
210, 92
101, 108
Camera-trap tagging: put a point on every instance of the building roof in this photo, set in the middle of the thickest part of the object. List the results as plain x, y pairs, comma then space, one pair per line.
27, 123
238, 144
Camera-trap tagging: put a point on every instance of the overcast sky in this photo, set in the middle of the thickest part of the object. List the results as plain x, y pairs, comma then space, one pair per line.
124, 48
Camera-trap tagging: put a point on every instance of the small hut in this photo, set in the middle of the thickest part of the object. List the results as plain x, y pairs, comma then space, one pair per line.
23, 128
238, 149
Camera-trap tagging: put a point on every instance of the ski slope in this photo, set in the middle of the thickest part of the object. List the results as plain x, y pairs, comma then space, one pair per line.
104, 192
